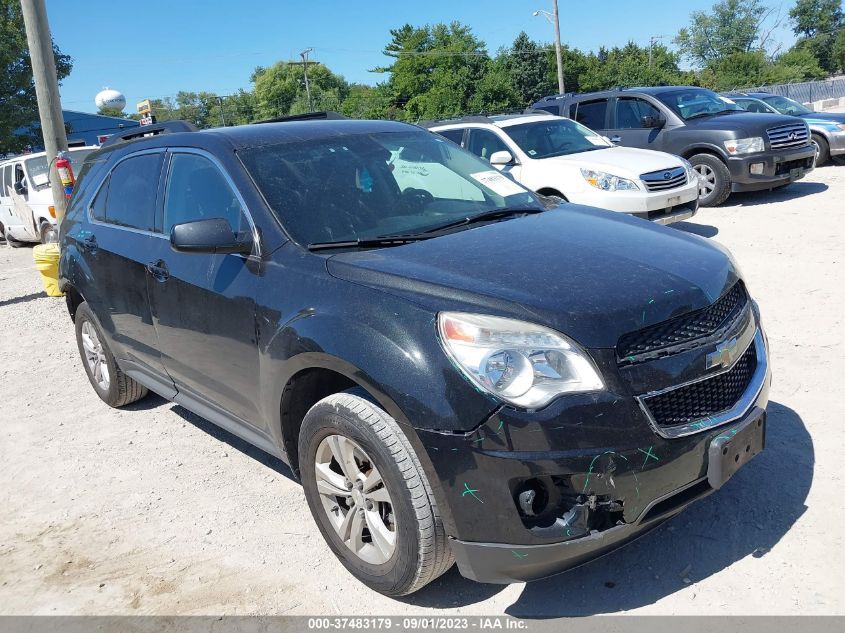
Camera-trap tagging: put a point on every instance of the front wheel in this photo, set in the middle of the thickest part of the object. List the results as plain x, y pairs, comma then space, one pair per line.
370, 497
714, 179
822, 149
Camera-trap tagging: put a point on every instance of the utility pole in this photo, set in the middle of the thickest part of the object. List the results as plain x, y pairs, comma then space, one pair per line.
554, 19
304, 56
651, 42
40, 44
222, 117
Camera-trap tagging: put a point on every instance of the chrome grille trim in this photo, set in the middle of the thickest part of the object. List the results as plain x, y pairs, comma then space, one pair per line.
658, 181
745, 402
791, 135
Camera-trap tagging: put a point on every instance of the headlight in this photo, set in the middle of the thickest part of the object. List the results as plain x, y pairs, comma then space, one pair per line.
745, 145
692, 175
520, 363
608, 182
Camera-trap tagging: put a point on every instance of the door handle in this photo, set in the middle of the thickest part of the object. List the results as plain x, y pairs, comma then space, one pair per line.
90, 244
159, 270
616, 139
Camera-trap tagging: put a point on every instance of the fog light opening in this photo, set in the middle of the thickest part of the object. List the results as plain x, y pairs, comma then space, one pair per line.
532, 498
757, 168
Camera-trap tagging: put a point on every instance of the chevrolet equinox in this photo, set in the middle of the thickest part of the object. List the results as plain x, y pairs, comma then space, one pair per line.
456, 369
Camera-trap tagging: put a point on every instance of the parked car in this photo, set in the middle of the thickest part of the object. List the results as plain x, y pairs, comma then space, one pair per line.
26, 200
827, 129
732, 150
455, 368
559, 157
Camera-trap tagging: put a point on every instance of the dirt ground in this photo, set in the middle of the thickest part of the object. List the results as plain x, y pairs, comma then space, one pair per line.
152, 510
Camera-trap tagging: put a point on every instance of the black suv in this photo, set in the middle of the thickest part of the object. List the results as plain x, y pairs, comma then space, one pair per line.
732, 150
457, 369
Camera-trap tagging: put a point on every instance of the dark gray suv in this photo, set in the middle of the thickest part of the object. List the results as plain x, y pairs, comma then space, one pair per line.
732, 150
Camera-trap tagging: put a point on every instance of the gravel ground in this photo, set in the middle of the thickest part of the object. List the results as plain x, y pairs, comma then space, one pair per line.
152, 510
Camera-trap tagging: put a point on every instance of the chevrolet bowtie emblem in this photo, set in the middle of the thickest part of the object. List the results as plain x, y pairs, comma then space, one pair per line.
723, 356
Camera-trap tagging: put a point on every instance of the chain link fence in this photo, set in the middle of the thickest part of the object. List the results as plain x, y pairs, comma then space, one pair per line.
806, 91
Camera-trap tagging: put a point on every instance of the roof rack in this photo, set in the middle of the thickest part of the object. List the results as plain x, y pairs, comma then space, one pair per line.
307, 116
167, 127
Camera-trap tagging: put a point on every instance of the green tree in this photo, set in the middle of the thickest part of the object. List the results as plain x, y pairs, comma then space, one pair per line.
838, 51
280, 89
18, 104
112, 112
527, 62
732, 26
816, 22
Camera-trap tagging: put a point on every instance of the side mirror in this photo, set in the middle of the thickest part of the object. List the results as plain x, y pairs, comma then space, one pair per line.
500, 159
653, 122
214, 235
20, 188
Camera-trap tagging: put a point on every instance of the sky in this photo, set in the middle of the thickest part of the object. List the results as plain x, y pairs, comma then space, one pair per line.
154, 49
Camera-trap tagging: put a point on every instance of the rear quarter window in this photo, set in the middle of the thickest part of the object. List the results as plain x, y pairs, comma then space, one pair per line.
593, 114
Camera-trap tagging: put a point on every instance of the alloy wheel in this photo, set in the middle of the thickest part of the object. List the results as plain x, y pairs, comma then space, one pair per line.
355, 499
706, 180
95, 356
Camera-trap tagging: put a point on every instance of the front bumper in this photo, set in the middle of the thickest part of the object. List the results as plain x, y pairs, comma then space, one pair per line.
598, 448
836, 140
647, 205
779, 168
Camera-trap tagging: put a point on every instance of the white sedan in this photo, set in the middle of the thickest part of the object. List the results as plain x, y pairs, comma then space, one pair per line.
556, 156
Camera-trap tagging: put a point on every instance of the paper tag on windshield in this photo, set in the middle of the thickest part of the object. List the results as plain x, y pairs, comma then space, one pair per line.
497, 183
726, 100
596, 140
40, 179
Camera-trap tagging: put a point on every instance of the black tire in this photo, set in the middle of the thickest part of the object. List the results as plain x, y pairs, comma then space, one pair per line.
822, 149
11, 241
715, 172
49, 233
121, 389
421, 552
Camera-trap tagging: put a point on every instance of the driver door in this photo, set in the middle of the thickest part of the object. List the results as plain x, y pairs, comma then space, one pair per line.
629, 129
484, 143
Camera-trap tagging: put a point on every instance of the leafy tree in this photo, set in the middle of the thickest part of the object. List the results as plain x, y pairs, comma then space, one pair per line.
280, 89
816, 22
838, 51
112, 112
732, 26
742, 70
18, 104
527, 63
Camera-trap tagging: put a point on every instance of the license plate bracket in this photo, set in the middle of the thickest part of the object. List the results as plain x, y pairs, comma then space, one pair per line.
732, 449
795, 174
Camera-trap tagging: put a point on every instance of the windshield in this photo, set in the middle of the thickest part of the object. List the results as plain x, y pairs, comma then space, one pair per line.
557, 137
37, 167
786, 106
361, 187
692, 103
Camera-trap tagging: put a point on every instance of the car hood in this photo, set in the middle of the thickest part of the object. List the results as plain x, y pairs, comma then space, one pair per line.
831, 117
615, 160
593, 275
744, 123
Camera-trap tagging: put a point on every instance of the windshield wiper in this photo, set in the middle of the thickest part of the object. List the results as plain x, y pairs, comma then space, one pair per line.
698, 115
370, 242
487, 216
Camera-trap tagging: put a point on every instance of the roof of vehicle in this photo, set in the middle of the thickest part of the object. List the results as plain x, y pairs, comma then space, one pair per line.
649, 90
499, 120
749, 95
39, 154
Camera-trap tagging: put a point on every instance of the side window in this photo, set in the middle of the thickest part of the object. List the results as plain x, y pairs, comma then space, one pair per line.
593, 114
132, 189
5, 178
456, 136
98, 206
552, 109
630, 113
196, 190
484, 143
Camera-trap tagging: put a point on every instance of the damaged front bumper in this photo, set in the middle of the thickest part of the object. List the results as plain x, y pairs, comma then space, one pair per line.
521, 507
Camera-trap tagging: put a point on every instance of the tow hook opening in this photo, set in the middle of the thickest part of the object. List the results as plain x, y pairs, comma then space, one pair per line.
551, 508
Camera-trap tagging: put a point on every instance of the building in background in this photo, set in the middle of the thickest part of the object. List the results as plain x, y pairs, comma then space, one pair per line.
85, 128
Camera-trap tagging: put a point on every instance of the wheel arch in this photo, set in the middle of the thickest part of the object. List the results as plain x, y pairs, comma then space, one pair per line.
704, 149
551, 191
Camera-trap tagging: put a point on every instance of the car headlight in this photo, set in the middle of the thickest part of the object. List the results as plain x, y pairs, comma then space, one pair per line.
745, 145
608, 182
520, 363
692, 175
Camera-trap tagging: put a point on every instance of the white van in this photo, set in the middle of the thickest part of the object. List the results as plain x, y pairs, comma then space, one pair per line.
26, 200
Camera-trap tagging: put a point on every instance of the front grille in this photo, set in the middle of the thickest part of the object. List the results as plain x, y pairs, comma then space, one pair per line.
786, 167
665, 179
682, 329
791, 135
705, 398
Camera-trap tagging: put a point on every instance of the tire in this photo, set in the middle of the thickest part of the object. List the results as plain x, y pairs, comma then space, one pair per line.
118, 389
822, 149
49, 233
714, 179
413, 549
11, 241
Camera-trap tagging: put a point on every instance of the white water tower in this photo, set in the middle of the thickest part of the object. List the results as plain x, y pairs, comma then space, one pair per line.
111, 99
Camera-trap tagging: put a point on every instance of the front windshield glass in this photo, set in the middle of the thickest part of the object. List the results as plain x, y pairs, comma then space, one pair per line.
692, 103
786, 106
554, 137
37, 168
364, 186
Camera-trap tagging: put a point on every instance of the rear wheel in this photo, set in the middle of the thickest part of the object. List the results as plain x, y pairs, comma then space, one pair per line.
714, 179
822, 149
370, 497
114, 387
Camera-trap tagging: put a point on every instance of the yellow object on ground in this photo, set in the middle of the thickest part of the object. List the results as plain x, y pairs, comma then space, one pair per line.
46, 258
